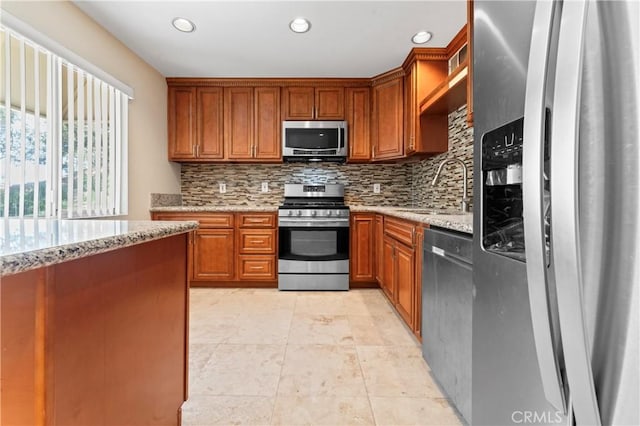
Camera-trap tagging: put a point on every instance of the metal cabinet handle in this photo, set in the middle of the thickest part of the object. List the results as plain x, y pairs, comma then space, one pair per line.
564, 201
532, 188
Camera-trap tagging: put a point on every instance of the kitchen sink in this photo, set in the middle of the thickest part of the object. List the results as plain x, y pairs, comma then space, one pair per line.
432, 211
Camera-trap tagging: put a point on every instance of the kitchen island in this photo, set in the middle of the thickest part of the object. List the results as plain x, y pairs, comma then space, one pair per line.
94, 317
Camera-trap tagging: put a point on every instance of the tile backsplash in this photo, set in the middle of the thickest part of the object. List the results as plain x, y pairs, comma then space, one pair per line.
448, 192
401, 184
200, 182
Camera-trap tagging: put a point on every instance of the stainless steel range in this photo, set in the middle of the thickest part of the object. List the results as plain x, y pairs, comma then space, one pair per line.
314, 238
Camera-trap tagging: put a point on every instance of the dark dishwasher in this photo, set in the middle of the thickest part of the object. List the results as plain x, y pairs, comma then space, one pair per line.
447, 302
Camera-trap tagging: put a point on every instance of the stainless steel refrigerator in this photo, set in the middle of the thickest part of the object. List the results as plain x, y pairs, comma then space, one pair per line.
557, 217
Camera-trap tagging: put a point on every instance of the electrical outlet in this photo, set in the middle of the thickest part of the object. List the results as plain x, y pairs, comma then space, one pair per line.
223, 188
376, 188
265, 187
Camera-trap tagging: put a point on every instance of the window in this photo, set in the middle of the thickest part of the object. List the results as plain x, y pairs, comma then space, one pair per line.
63, 136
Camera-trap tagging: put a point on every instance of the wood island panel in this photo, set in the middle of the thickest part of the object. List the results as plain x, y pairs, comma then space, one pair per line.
101, 340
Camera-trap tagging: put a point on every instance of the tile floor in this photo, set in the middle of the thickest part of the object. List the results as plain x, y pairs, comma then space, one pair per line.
264, 357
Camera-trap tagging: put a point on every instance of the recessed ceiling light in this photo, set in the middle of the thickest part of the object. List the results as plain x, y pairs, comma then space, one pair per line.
184, 25
300, 25
421, 37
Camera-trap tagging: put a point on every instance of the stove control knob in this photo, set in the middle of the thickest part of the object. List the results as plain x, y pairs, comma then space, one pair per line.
298, 213
329, 213
313, 213
290, 213
338, 213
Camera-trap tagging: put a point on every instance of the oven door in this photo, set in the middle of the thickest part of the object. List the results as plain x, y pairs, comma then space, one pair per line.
314, 240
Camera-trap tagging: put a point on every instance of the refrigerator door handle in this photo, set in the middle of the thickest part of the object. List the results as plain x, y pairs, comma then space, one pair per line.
532, 189
564, 199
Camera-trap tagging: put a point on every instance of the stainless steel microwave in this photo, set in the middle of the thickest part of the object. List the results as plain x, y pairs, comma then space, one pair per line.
314, 141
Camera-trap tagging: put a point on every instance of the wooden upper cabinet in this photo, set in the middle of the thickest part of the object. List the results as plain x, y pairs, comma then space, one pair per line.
298, 103
387, 142
410, 113
311, 103
329, 103
362, 247
267, 142
238, 122
209, 123
358, 113
426, 69
252, 123
181, 123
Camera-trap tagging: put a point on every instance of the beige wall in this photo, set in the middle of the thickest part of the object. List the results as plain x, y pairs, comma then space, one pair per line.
149, 170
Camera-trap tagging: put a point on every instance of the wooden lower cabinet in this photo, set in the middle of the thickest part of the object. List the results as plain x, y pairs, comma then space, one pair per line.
362, 264
388, 282
256, 267
231, 249
399, 267
417, 323
405, 282
379, 258
213, 253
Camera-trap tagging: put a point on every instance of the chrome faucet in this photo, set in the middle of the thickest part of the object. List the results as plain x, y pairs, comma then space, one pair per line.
464, 205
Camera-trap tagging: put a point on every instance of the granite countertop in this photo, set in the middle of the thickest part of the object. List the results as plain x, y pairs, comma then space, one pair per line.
457, 221
453, 220
27, 244
216, 208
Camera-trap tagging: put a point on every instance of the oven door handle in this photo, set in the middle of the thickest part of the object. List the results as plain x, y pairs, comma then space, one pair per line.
320, 223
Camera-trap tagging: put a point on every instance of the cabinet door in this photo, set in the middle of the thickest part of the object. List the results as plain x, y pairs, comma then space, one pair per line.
417, 296
379, 254
389, 268
298, 103
181, 120
405, 282
388, 120
238, 122
213, 255
359, 122
267, 124
410, 109
362, 243
329, 103
210, 121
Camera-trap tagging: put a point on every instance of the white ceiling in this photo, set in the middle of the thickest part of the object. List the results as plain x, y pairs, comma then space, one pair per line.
252, 38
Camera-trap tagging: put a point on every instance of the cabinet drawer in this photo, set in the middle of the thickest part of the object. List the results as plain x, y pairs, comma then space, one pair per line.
257, 220
400, 230
257, 241
255, 267
206, 220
